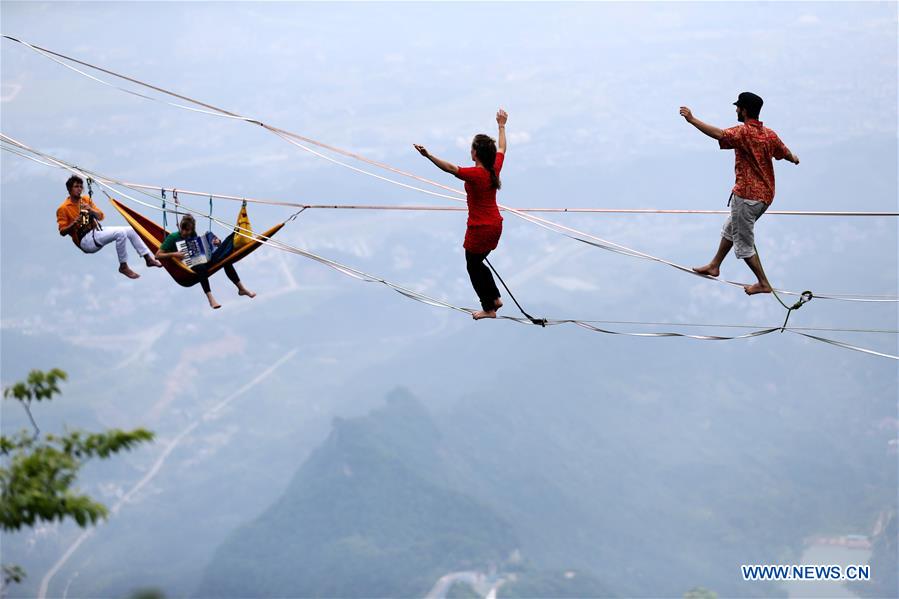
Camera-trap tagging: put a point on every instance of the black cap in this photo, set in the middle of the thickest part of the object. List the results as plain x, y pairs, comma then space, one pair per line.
750, 102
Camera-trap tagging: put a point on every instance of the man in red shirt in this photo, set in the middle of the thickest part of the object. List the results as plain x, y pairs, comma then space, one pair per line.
754, 148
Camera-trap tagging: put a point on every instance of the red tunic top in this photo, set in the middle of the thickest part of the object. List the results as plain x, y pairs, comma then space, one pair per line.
485, 225
754, 146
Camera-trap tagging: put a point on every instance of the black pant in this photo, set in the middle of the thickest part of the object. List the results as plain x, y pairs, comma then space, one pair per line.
229, 270
482, 280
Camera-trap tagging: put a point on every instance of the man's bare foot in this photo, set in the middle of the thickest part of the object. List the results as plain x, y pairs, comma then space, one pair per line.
709, 269
484, 314
152, 262
757, 288
246, 292
123, 268
497, 303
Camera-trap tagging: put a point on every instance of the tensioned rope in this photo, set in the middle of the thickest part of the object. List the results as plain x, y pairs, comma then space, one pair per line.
427, 208
139, 188
305, 206
579, 235
293, 139
107, 183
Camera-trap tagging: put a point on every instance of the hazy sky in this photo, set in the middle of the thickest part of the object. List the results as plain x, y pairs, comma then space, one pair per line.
592, 90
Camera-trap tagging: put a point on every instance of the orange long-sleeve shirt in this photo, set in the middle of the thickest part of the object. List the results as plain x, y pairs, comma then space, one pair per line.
69, 211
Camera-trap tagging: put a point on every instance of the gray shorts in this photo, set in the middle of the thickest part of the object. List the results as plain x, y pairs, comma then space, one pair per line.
740, 224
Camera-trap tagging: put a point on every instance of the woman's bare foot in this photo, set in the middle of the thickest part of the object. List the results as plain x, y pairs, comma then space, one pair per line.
212, 303
497, 303
123, 268
484, 314
757, 288
152, 262
709, 269
244, 291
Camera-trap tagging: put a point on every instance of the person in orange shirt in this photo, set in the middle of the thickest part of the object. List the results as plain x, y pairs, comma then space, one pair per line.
79, 218
754, 146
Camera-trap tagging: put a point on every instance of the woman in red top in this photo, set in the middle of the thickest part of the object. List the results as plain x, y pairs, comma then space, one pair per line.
485, 225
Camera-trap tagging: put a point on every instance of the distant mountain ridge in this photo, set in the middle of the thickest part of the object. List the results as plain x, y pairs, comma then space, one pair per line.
393, 500
364, 516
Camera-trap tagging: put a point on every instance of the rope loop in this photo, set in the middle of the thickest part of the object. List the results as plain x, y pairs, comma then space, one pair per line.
296, 214
804, 298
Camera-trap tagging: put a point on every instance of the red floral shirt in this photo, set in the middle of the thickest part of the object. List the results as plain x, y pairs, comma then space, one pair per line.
754, 146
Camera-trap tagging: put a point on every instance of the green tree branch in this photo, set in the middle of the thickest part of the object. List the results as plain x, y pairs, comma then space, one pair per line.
37, 474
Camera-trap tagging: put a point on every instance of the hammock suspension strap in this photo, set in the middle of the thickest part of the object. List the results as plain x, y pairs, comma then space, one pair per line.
165, 224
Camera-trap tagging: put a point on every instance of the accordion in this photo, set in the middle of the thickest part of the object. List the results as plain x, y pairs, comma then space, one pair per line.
197, 250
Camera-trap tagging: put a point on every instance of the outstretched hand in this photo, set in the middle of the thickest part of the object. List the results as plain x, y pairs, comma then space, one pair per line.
501, 117
421, 149
686, 113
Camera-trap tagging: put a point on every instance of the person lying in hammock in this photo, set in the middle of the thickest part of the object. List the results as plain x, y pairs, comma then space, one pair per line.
187, 229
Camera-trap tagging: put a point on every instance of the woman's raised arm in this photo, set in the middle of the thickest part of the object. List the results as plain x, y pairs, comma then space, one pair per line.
501, 117
443, 165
